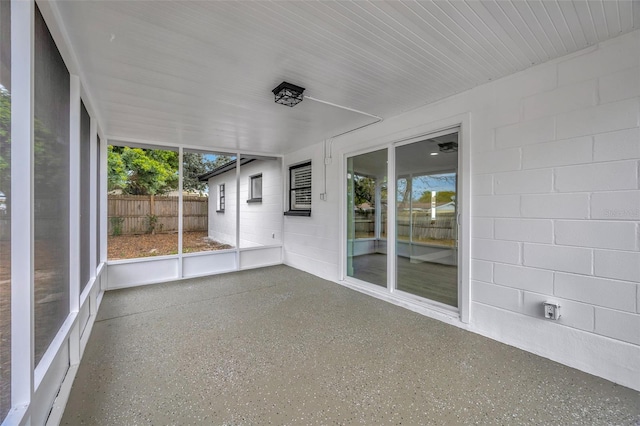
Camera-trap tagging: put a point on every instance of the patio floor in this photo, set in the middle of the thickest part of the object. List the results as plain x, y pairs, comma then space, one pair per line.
280, 346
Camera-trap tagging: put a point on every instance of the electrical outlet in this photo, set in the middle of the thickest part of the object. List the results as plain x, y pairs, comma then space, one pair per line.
551, 310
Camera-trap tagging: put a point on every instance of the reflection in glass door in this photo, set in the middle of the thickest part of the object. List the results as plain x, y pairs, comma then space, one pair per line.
426, 219
367, 217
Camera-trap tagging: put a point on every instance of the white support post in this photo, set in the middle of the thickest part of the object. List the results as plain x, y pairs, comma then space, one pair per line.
74, 214
104, 208
180, 208
22, 217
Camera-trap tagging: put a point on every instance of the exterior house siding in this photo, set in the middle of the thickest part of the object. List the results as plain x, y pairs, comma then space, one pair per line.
260, 223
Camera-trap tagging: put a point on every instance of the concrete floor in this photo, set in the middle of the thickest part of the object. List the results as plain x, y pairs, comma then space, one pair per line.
279, 346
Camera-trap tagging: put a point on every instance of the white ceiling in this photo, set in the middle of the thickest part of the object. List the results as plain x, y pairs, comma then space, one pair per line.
201, 72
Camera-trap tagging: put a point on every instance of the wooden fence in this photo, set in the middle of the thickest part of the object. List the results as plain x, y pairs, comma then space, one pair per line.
423, 227
140, 214
426, 229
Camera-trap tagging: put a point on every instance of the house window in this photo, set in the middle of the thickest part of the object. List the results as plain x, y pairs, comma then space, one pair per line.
220, 206
300, 190
255, 189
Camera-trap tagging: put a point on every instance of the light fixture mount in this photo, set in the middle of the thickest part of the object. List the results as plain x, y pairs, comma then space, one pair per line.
448, 147
288, 94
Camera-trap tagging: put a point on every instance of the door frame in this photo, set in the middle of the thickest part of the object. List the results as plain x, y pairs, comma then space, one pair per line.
461, 124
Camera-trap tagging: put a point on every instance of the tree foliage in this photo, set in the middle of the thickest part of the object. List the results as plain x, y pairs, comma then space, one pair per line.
441, 197
196, 164
364, 189
418, 188
138, 171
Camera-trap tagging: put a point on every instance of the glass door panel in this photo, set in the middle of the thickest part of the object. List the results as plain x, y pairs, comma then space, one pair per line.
366, 217
426, 224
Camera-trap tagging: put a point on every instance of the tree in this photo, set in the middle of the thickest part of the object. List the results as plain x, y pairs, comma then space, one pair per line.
196, 164
441, 197
116, 172
403, 191
139, 171
364, 189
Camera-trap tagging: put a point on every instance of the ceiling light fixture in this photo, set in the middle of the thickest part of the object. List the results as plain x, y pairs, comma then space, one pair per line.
448, 147
291, 95
433, 153
288, 94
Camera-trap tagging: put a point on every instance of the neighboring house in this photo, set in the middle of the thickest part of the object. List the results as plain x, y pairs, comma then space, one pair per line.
449, 207
260, 199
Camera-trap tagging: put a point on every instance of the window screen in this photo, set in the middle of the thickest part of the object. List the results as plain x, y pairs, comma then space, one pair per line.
5, 208
51, 188
85, 194
97, 195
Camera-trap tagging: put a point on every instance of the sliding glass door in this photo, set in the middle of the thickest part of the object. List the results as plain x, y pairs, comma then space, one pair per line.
367, 217
425, 225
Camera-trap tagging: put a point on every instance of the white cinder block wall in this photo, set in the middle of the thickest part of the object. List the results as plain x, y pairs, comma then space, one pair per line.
222, 225
555, 206
260, 223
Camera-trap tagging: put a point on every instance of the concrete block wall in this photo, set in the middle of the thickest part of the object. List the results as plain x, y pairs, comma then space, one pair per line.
312, 243
260, 223
555, 205
558, 208
222, 225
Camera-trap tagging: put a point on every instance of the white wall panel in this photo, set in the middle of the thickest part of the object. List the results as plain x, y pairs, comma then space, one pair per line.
265, 256
361, 247
140, 272
83, 316
46, 393
209, 263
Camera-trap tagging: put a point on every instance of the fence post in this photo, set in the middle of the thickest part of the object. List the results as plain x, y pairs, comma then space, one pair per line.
152, 205
152, 212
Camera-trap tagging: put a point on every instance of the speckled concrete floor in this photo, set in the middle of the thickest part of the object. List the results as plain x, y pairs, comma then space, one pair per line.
279, 346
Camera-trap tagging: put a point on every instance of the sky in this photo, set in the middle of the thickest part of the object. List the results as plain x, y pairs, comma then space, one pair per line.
439, 183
